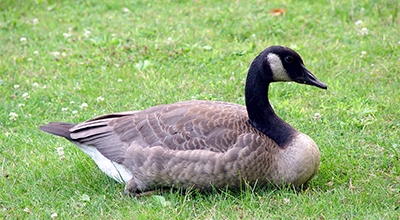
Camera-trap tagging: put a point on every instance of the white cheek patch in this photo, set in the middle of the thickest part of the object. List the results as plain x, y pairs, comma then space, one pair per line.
278, 71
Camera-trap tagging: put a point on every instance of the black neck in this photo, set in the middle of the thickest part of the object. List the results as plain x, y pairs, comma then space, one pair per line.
261, 114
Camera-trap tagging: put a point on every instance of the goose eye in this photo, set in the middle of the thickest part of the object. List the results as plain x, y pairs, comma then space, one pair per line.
289, 59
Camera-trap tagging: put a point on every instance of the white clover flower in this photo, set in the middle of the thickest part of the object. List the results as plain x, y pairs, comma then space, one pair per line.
26, 210
64, 109
44, 86
60, 151
119, 80
125, 10
363, 53
67, 35
74, 112
23, 39
21, 104
317, 116
170, 39
364, 31
16, 86
71, 102
63, 54
25, 95
35, 84
87, 33
35, 21
13, 116
56, 53
36, 52
84, 105
54, 215
100, 99
359, 23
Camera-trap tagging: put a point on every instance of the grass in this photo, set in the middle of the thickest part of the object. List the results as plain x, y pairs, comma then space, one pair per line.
136, 54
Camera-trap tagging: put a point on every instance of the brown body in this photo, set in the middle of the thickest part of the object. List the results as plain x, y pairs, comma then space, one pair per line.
204, 144
198, 144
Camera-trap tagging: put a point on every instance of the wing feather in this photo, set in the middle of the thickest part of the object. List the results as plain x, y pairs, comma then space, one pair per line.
191, 125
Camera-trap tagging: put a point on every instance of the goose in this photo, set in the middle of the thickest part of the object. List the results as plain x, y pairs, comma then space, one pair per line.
205, 144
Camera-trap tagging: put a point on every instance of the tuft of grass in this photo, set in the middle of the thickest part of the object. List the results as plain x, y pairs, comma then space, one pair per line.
75, 59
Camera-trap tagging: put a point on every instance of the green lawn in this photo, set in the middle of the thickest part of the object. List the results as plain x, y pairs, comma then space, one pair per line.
74, 59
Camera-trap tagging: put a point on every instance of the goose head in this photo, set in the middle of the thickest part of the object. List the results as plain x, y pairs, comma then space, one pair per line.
274, 64
282, 64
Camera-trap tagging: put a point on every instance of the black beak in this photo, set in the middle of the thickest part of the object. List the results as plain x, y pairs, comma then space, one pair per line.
309, 79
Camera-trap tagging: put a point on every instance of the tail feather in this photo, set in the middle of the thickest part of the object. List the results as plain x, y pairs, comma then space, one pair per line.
58, 128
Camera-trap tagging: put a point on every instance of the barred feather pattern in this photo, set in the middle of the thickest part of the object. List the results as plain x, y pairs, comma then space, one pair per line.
188, 144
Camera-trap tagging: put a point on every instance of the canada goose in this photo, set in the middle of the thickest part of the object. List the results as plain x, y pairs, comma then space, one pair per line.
204, 144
